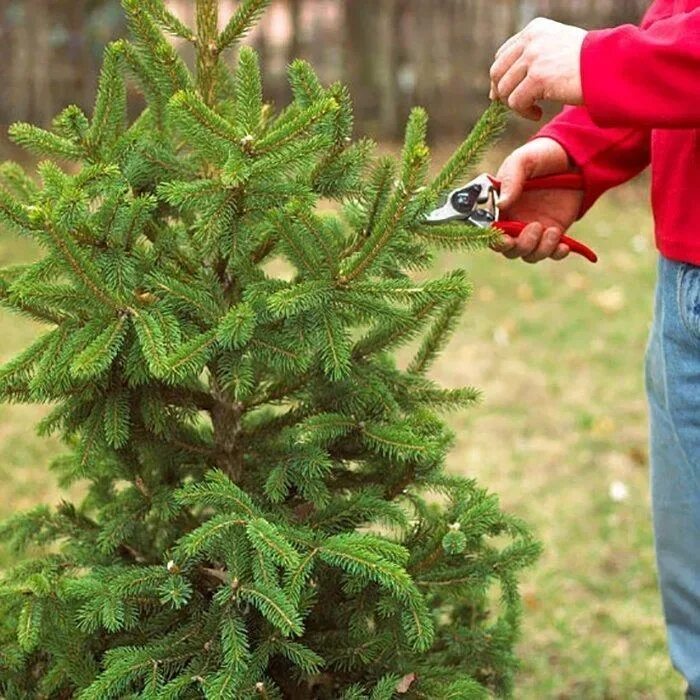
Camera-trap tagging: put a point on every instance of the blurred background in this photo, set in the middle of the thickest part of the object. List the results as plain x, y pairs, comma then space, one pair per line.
393, 53
556, 348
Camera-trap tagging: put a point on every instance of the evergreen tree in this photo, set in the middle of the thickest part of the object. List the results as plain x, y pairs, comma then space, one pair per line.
266, 512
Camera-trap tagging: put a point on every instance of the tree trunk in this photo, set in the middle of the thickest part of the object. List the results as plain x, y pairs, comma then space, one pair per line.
38, 20
295, 44
360, 45
387, 68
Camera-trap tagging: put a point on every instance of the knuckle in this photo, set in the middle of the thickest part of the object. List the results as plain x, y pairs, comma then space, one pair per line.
528, 159
535, 72
504, 90
527, 247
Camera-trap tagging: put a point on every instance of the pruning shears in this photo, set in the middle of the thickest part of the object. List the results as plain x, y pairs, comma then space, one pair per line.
477, 203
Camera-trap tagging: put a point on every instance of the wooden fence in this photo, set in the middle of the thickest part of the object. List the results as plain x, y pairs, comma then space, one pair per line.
392, 53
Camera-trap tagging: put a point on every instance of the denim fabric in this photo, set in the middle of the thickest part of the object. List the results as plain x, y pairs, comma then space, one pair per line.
673, 389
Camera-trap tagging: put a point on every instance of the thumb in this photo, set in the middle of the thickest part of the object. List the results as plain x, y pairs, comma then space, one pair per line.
512, 175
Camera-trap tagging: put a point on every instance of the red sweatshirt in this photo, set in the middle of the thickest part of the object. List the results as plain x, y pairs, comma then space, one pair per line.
641, 89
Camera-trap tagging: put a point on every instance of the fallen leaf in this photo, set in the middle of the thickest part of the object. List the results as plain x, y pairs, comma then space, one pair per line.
501, 337
619, 491
531, 599
639, 456
611, 300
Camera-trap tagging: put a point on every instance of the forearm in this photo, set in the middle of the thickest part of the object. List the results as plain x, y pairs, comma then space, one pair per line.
605, 157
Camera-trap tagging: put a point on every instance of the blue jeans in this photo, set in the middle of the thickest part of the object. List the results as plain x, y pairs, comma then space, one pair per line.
673, 388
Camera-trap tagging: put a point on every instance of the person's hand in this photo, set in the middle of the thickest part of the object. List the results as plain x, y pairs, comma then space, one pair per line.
549, 212
543, 62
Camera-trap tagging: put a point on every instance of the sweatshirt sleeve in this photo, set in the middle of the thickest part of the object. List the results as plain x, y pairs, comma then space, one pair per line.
605, 157
644, 77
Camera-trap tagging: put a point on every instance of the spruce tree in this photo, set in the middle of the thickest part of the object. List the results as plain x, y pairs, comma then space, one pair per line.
224, 287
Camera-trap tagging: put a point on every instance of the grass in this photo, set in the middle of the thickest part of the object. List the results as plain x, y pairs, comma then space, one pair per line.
557, 350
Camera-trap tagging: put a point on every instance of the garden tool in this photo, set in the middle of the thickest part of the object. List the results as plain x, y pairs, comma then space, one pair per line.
477, 203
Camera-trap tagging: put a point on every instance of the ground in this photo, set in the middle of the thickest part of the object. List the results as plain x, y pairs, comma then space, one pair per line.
558, 350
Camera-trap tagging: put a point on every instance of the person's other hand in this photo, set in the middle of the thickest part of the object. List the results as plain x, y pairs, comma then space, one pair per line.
549, 213
542, 62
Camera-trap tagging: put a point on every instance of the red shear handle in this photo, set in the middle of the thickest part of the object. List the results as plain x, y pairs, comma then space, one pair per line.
515, 228
563, 181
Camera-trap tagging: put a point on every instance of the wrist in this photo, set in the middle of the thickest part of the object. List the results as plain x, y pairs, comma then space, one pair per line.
548, 156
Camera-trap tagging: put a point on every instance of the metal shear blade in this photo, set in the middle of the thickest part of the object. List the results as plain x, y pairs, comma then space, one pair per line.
476, 203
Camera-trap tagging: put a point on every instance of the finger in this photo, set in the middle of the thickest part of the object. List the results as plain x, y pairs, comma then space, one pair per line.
547, 246
510, 81
561, 252
524, 98
503, 244
527, 241
509, 43
512, 175
503, 63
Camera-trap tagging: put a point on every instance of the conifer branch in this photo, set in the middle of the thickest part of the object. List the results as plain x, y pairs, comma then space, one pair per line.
83, 270
280, 390
169, 21
264, 249
247, 14
160, 58
208, 452
15, 303
438, 336
187, 397
44, 143
132, 554
17, 216
380, 188
415, 159
488, 128
399, 488
109, 117
429, 561
458, 236
219, 576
